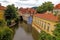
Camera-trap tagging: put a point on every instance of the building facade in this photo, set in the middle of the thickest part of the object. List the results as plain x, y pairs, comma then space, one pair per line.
56, 10
2, 8
45, 22
26, 13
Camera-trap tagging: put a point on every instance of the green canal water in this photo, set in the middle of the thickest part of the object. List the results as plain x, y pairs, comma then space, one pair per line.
21, 32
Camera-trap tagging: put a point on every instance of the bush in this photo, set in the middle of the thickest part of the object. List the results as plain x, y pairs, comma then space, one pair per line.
6, 34
2, 23
17, 20
44, 36
56, 32
8, 22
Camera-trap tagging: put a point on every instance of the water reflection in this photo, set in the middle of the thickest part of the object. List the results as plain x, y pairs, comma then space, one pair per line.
20, 33
14, 28
26, 27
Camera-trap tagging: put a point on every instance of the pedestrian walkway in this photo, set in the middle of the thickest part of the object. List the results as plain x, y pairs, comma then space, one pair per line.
22, 35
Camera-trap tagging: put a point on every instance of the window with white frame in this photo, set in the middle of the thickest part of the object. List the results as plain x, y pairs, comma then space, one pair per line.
37, 20
40, 22
48, 27
44, 25
34, 19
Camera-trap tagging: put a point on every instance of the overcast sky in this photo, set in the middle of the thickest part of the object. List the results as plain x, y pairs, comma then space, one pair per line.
26, 3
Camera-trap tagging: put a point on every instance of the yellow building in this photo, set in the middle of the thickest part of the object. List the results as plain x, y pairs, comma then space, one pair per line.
1, 14
2, 8
2, 18
45, 22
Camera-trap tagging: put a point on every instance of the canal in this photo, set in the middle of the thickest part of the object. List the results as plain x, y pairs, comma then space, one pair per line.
21, 34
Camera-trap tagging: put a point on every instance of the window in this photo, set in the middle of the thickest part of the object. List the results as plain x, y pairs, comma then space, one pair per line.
33, 19
44, 25
48, 26
54, 26
39, 22
36, 20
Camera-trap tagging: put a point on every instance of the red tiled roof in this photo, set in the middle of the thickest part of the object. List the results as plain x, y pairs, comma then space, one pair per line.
50, 17
27, 10
2, 8
57, 6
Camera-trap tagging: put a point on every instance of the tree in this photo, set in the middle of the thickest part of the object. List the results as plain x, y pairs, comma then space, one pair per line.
47, 6
56, 32
6, 34
10, 12
45, 36
2, 23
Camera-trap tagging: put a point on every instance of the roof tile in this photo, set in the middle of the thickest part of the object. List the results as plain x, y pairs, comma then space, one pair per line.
57, 6
50, 17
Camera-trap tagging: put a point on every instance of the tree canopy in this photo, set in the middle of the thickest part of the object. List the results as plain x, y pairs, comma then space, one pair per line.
47, 6
11, 12
56, 32
45, 36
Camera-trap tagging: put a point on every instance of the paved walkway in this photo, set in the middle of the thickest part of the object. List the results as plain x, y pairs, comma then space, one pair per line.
22, 35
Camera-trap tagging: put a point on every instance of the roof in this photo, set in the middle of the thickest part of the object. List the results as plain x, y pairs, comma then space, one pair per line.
27, 10
57, 6
2, 8
45, 16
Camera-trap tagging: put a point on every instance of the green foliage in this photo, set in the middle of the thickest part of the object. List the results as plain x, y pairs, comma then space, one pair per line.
56, 32
2, 23
47, 6
11, 12
44, 36
17, 20
6, 34
8, 22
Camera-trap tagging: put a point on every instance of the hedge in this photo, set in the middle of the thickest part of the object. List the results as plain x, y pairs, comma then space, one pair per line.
6, 34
